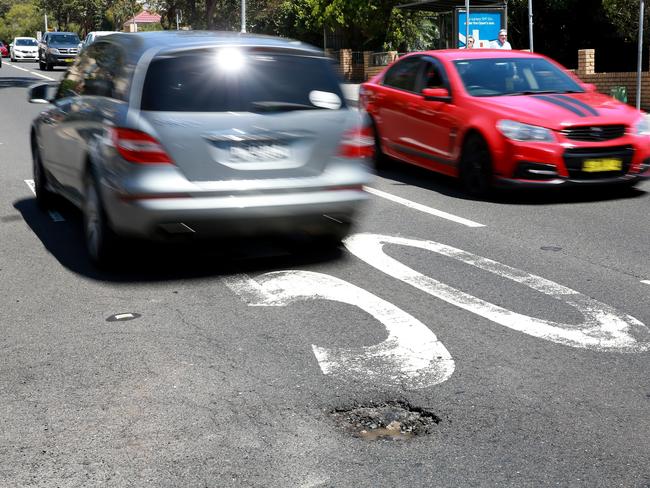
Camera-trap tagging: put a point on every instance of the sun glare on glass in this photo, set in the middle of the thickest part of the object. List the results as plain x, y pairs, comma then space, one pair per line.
230, 59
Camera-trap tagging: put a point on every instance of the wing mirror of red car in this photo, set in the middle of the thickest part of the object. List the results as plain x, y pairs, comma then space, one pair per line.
436, 94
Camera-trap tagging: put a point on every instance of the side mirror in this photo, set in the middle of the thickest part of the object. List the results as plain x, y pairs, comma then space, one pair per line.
41, 93
436, 94
590, 87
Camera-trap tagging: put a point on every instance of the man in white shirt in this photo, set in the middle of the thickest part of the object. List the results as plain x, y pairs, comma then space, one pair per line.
502, 41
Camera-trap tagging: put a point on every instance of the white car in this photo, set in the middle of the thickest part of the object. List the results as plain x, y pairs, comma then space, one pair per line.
23, 48
92, 37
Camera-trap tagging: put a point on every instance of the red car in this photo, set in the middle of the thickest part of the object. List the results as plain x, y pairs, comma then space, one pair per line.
504, 118
4, 49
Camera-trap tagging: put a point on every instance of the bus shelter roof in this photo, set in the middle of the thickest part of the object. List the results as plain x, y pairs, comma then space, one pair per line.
449, 5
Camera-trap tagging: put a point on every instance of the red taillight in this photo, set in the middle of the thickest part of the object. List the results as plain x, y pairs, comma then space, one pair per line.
358, 143
138, 147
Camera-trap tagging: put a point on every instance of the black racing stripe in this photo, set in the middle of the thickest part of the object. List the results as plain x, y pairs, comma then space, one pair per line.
579, 103
562, 104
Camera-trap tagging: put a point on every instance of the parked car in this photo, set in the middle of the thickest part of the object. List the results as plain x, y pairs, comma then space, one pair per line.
23, 48
504, 118
92, 37
201, 134
57, 49
4, 50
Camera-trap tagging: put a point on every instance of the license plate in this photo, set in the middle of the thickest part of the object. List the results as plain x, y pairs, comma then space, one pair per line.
69, 60
254, 153
602, 164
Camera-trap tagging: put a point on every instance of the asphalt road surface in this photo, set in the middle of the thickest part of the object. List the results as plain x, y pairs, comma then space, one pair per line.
492, 343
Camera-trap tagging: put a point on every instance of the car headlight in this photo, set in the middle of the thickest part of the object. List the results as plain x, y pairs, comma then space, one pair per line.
53, 50
642, 127
524, 132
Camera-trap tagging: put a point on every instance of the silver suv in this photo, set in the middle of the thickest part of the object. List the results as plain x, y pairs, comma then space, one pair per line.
191, 134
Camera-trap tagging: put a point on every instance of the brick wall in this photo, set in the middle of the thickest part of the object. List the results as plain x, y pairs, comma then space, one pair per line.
606, 81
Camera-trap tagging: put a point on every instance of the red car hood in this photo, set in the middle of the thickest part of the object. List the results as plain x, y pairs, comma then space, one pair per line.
555, 110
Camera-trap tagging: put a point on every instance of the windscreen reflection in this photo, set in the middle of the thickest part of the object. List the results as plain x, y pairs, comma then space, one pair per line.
513, 76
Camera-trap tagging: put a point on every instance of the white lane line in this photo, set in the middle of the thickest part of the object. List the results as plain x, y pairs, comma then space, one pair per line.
54, 215
30, 71
30, 184
423, 208
646, 282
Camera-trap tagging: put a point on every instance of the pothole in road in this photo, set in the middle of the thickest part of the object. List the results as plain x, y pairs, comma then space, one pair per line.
392, 420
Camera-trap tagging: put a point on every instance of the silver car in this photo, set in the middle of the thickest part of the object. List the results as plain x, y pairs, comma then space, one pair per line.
167, 134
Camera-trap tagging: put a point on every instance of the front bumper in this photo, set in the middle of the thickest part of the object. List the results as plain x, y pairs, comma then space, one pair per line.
565, 164
32, 56
60, 59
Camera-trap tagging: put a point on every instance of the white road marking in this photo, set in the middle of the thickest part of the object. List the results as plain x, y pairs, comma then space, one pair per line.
647, 282
54, 215
423, 208
123, 316
30, 71
603, 329
30, 184
411, 356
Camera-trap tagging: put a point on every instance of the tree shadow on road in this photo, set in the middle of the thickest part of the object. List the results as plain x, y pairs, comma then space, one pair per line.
145, 261
19, 81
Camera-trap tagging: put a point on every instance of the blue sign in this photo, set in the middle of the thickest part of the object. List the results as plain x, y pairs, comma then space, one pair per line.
483, 26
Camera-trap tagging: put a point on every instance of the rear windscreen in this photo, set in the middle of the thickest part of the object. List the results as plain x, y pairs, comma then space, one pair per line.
239, 81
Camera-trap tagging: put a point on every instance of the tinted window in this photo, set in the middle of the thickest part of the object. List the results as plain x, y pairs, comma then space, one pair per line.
433, 76
96, 72
199, 82
26, 42
403, 74
64, 38
494, 77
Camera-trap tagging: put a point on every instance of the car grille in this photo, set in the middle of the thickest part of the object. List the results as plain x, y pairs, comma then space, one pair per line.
68, 50
574, 158
594, 133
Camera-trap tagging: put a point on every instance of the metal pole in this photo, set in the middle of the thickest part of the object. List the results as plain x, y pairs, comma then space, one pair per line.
466, 21
243, 15
45, 22
530, 24
639, 60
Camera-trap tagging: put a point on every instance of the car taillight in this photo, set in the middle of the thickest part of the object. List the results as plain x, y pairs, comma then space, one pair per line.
358, 143
138, 147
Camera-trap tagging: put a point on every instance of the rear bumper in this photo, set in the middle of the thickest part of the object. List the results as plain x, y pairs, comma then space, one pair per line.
316, 212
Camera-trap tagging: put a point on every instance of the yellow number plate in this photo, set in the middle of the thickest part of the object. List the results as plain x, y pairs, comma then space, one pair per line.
603, 164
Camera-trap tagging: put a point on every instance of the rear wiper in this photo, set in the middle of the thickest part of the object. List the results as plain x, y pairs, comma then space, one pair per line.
281, 106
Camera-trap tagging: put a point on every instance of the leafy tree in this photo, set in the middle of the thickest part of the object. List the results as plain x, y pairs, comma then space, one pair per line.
22, 19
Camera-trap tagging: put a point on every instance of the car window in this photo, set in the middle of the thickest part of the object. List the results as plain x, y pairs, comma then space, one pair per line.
262, 81
64, 38
433, 76
513, 76
26, 42
97, 71
403, 74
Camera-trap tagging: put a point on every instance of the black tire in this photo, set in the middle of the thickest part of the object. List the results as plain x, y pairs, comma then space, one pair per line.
380, 159
48, 66
101, 241
476, 167
41, 64
44, 196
